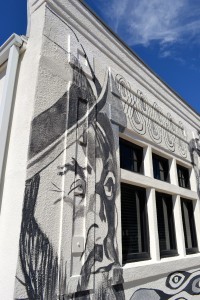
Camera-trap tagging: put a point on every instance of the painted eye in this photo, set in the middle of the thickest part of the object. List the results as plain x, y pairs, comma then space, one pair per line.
175, 280
79, 187
198, 283
109, 185
196, 286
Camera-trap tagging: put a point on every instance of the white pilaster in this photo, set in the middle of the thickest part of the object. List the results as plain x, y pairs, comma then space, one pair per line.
197, 220
153, 226
180, 240
148, 165
193, 180
6, 101
173, 171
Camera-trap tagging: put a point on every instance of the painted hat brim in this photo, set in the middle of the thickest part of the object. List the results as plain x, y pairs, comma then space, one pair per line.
46, 156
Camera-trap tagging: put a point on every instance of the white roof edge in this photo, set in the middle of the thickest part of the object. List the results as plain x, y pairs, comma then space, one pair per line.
14, 39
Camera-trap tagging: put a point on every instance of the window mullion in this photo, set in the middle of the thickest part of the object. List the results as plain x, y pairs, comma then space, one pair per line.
192, 180
173, 172
197, 221
148, 164
153, 225
179, 225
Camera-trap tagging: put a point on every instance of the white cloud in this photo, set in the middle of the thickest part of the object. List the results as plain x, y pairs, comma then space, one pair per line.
144, 21
118, 11
166, 53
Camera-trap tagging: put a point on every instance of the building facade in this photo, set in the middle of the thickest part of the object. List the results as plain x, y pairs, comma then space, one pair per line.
101, 186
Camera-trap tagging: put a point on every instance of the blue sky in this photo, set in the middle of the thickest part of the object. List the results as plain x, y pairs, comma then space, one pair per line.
164, 33
13, 18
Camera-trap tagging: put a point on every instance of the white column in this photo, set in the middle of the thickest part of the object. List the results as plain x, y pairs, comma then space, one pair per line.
173, 171
197, 220
193, 180
180, 240
118, 196
6, 101
148, 165
153, 225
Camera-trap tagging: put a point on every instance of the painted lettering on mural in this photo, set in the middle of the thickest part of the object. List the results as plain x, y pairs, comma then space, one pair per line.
149, 119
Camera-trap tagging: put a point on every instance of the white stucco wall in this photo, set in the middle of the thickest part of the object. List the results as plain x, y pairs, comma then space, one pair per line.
66, 48
15, 172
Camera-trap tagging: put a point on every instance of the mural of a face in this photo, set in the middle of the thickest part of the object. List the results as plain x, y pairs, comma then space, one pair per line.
194, 149
100, 249
57, 181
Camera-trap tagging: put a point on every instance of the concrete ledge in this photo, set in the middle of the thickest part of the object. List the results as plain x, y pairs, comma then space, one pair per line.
160, 186
162, 268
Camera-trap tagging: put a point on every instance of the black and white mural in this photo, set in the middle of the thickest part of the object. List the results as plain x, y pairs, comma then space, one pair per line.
71, 190
194, 148
180, 285
72, 168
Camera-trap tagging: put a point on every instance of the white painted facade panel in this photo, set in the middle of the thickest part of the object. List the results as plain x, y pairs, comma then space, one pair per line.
2, 79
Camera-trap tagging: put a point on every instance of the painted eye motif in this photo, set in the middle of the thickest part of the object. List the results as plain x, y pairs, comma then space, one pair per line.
175, 280
109, 185
196, 286
198, 283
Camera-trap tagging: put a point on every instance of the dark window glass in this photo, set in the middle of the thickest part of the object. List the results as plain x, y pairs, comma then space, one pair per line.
131, 156
135, 245
160, 168
166, 232
183, 177
189, 226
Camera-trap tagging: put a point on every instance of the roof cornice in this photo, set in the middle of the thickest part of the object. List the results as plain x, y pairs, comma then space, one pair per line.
14, 39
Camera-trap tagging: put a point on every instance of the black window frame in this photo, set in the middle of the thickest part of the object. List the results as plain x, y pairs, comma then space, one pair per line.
160, 168
132, 158
126, 216
162, 200
189, 205
183, 177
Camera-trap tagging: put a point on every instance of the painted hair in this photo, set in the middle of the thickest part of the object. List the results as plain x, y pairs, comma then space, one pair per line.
38, 262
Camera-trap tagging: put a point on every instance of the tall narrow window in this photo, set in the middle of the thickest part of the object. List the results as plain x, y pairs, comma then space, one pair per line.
189, 226
135, 245
166, 232
131, 156
183, 177
160, 168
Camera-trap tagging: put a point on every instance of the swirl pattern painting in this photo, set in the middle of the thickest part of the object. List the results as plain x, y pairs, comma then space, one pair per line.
150, 120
